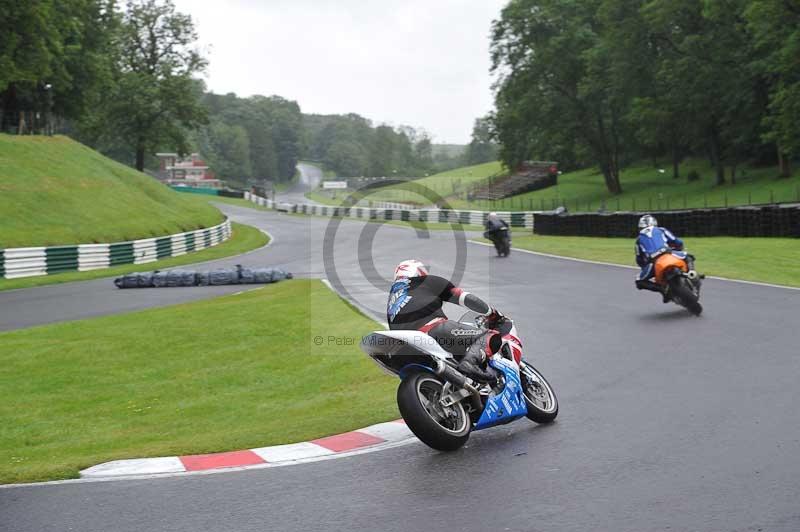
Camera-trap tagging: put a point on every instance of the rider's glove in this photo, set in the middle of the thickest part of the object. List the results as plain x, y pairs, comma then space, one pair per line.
493, 318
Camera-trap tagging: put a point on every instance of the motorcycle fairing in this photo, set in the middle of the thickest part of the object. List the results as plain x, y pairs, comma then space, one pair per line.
510, 404
668, 261
395, 350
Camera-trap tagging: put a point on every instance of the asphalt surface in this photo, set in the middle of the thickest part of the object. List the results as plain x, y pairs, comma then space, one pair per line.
668, 422
309, 178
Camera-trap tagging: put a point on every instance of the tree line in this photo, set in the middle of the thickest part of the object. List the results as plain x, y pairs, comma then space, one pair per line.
607, 82
124, 78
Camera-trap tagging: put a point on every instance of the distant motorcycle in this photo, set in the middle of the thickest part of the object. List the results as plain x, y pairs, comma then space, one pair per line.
501, 238
441, 405
681, 283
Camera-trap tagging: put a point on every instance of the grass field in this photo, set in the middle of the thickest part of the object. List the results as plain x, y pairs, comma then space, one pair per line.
768, 260
243, 239
646, 189
443, 184
54, 190
229, 373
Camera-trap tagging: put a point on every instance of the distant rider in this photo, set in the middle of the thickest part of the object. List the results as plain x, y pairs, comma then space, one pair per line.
494, 224
415, 303
650, 243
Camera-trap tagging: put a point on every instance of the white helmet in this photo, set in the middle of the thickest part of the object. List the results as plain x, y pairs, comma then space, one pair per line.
410, 268
492, 216
647, 221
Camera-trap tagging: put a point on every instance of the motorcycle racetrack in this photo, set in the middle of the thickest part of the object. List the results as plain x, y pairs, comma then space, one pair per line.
667, 421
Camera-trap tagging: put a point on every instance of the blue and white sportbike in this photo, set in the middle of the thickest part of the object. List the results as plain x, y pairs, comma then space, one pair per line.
441, 405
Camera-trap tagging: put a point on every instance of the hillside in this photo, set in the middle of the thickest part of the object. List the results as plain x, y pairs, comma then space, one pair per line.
645, 188
443, 184
54, 191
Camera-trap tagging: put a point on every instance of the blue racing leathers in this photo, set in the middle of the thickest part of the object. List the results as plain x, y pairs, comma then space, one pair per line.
652, 242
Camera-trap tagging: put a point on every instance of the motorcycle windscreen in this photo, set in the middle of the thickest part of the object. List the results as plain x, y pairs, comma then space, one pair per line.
507, 406
667, 261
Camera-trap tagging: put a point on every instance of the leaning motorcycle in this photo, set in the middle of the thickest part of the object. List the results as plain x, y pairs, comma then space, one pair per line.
501, 238
682, 283
440, 404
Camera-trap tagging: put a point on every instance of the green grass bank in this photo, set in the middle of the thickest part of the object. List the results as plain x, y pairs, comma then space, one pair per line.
767, 260
55, 191
228, 373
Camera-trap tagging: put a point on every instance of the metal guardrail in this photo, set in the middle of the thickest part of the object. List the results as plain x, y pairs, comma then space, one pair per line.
515, 219
33, 261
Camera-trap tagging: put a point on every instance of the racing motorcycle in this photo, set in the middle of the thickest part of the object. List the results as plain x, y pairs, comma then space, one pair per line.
501, 238
440, 404
682, 283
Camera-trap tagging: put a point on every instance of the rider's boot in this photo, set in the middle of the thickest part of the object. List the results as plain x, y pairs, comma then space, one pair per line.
474, 365
647, 284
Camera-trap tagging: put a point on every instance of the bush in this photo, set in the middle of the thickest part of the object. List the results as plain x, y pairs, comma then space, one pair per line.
693, 176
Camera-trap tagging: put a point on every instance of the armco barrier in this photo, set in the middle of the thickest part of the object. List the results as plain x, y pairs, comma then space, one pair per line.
763, 221
29, 262
515, 219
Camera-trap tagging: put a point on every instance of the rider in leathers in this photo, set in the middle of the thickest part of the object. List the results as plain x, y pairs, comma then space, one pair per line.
651, 241
415, 303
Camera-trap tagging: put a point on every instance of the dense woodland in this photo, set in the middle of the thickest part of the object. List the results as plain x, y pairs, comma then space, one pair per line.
583, 82
125, 80
606, 82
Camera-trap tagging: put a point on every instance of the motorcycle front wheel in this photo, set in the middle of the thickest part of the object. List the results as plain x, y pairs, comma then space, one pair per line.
442, 428
540, 399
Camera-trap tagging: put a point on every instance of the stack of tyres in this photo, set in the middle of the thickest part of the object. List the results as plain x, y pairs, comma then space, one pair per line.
216, 277
765, 221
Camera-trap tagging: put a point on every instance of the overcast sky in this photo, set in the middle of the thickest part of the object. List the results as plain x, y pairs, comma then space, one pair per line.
423, 63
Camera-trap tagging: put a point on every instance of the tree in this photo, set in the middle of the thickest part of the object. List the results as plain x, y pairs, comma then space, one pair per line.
227, 150
346, 157
53, 55
155, 99
481, 148
775, 27
423, 153
554, 83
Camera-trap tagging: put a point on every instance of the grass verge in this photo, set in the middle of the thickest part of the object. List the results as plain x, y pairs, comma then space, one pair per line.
444, 184
229, 373
55, 191
767, 260
647, 189
243, 238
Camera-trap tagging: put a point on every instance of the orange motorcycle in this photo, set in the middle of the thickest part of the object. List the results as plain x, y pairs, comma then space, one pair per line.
672, 269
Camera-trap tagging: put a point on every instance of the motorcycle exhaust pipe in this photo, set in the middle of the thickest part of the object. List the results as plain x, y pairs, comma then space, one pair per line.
456, 377
692, 275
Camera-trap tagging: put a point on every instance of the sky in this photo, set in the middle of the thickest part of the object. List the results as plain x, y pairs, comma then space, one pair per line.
422, 63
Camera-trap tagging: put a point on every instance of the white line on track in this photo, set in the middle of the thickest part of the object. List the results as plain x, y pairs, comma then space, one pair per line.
573, 259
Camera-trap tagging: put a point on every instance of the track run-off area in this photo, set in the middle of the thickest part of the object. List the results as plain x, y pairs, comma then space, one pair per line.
667, 421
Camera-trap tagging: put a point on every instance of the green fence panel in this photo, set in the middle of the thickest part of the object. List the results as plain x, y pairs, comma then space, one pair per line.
193, 190
517, 219
164, 247
2, 263
463, 217
189, 242
121, 253
61, 259
207, 237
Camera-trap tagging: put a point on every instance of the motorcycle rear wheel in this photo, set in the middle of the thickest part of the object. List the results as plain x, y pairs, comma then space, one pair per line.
540, 399
686, 295
442, 428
